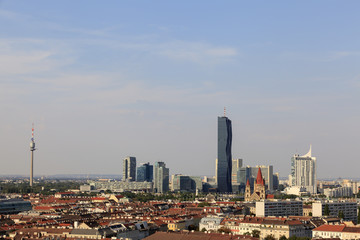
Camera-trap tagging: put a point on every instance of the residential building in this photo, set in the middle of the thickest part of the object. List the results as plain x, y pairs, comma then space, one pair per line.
336, 208
144, 173
161, 177
210, 223
342, 232
224, 159
267, 226
303, 172
279, 208
338, 192
129, 169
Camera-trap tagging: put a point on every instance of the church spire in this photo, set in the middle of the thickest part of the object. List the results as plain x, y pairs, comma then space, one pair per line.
259, 178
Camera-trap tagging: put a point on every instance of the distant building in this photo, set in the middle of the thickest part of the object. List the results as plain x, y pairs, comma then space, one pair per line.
224, 159
235, 174
145, 173
186, 183
259, 189
86, 188
161, 178
303, 172
129, 169
121, 186
334, 208
250, 173
279, 208
338, 192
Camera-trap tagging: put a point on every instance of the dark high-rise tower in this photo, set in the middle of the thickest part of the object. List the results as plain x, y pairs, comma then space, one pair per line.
129, 169
144, 173
224, 159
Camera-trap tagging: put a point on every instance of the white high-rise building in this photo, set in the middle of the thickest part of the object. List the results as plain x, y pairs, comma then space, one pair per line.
303, 172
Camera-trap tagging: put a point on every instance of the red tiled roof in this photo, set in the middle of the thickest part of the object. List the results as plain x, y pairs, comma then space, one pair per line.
330, 228
259, 178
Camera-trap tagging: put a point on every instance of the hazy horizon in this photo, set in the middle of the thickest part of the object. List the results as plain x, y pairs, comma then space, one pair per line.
106, 80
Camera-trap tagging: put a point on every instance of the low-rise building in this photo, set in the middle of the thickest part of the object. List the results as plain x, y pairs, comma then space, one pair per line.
336, 231
345, 209
338, 192
210, 223
279, 208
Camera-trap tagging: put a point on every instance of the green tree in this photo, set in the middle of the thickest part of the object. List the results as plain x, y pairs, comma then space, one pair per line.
270, 237
326, 210
358, 216
310, 214
203, 204
203, 229
224, 230
283, 238
247, 233
341, 214
255, 233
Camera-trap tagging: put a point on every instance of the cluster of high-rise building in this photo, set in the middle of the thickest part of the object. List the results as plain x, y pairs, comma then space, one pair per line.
231, 175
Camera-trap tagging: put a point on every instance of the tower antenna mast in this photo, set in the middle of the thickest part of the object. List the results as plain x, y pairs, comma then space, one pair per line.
32, 149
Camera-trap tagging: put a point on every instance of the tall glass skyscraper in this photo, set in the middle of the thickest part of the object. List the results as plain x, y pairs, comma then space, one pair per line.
224, 158
144, 173
161, 177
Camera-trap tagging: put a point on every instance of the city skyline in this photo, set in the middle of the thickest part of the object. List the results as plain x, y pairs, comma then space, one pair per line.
106, 81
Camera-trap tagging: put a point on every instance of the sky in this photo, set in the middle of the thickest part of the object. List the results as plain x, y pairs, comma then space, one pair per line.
102, 80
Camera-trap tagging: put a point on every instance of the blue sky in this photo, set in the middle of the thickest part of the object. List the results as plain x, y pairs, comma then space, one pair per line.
104, 80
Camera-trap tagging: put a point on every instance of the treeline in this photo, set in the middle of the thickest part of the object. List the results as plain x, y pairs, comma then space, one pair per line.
43, 187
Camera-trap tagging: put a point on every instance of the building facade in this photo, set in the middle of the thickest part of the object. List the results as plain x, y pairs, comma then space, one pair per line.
224, 158
129, 169
279, 208
235, 174
144, 173
186, 183
303, 172
335, 208
161, 177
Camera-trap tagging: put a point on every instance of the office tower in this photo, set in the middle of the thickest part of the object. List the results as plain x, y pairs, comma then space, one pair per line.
161, 177
129, 169
144, 173
32, 149
182, 183
224, 159
303, 172
235, 175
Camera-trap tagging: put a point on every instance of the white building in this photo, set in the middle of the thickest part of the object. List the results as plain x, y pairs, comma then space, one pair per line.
336, 231
348, 209
303, 172
338, 192
279, 208
210, 223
